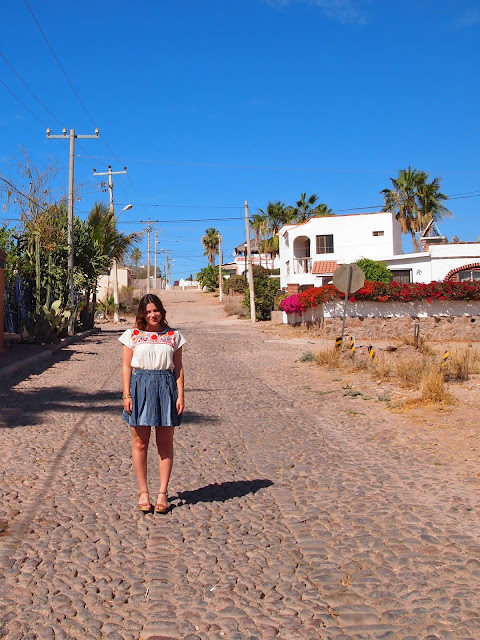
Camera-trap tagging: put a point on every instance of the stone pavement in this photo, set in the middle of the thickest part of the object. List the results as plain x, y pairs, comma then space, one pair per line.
292, 517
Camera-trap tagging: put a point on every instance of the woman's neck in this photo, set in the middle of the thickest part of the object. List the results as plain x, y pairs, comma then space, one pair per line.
158, 328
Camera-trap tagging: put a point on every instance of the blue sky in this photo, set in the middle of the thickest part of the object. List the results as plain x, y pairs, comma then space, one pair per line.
211, 103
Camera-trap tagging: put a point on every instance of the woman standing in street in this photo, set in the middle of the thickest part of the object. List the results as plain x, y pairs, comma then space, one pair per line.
153, 393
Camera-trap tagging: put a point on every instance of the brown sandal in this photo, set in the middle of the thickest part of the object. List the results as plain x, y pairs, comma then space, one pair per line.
145, 507
160, 507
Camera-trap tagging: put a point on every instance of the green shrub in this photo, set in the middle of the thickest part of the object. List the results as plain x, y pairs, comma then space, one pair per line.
375, 271
308, 356
265, 291
238, 284
208, 277
125, 297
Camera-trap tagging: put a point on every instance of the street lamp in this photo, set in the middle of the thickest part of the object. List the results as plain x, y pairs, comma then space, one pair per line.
127, 207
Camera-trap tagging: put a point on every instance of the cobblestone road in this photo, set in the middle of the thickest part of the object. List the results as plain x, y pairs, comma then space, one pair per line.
293, 517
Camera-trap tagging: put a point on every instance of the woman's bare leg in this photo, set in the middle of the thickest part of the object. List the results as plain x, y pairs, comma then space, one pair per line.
164, 438
140, 439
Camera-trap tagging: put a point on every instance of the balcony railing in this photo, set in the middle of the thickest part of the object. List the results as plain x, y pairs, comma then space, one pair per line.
302, 265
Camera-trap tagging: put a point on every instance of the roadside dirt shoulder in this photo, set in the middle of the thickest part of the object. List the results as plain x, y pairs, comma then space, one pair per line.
450, 432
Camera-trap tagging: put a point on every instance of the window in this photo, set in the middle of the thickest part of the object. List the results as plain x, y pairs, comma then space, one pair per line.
378, 233
401, 275
469, 275
325, 244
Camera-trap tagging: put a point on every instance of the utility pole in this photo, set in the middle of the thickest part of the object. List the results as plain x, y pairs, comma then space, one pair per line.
253, 315
155, 257
167, 270
220, 266
149, 231
167, 267
72, 137
111, 173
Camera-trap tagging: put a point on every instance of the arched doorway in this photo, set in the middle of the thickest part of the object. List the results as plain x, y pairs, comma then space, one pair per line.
302, 262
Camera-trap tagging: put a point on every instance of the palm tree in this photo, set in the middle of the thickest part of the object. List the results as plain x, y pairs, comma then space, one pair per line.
429, 203
276, 215
211, 241
135, 257
112, 244
322, 210
259, 224
307, 208
402, 201
304, 207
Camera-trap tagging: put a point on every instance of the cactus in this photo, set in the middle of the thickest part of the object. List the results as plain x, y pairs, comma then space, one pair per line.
47, 326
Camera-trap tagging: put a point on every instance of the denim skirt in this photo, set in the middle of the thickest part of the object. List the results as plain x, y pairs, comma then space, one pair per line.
154, 396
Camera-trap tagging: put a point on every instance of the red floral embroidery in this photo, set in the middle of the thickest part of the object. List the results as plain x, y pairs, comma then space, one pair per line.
136, 332
171, 333
154, 336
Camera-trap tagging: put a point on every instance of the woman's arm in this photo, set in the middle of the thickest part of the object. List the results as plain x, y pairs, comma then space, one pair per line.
179, 376
126, 377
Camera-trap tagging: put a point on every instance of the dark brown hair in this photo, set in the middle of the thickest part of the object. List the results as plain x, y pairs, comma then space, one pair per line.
142, 310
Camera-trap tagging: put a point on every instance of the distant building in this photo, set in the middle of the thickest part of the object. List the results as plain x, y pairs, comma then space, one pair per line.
266, 260
105, 282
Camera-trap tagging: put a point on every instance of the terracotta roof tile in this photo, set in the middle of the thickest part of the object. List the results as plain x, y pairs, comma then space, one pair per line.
324, 267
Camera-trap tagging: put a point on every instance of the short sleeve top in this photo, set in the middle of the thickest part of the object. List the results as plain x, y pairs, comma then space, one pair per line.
152, 349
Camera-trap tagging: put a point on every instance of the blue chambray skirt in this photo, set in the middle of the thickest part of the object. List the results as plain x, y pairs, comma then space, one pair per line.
154, 396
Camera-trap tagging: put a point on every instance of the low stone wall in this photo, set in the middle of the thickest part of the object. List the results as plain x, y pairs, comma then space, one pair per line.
431, 329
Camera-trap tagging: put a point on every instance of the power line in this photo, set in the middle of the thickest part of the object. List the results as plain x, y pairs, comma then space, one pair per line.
59, 63
71, 86
37, 99
32, 200
187, 206
22, 103
264, 168
178, 220
28, 89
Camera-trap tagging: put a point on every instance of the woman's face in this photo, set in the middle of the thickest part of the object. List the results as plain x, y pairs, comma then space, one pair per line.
152, 315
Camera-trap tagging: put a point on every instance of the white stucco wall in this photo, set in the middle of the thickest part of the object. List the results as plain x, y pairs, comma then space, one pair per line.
437, 263
105, 282
367, 309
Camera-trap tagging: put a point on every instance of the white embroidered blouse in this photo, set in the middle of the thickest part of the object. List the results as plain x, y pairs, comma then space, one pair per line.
151, 349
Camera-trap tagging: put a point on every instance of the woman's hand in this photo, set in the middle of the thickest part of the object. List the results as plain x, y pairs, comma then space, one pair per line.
180, 405
128, 405
126, 378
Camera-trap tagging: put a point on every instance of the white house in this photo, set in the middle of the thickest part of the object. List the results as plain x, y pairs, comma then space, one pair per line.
265, 260
310, 252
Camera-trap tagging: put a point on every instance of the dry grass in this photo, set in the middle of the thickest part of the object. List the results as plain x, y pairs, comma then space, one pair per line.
382, 368
433, 389
331, 358
235, 309
421, 345
418, 370
462, 364
409, 370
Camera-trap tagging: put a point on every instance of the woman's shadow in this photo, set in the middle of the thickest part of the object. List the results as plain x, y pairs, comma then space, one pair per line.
221, 492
